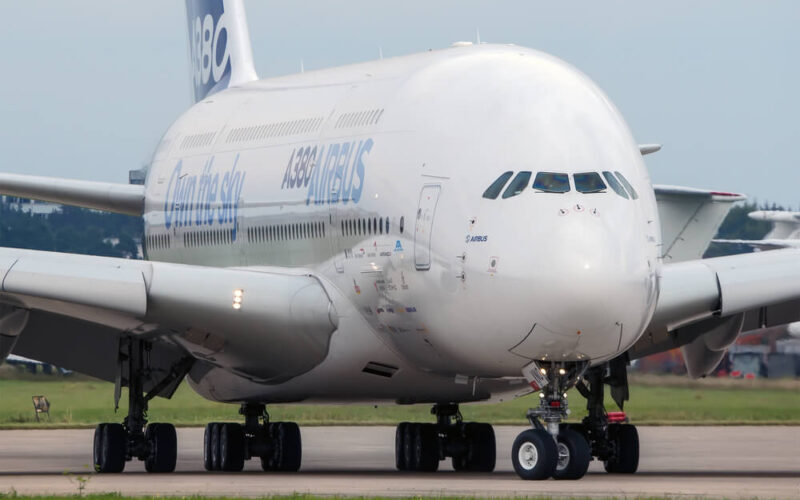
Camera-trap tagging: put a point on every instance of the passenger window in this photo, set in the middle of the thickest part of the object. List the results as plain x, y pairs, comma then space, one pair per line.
624, 181
589, 182
615, 185
551, 182
493, 191
517, 185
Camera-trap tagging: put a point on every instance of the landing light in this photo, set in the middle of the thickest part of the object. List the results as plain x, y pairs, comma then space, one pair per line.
238, 294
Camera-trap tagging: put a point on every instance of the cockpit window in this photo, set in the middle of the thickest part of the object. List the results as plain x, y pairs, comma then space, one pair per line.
615, 185
627, 185
518, 185
589, 182
493, 191
550, 182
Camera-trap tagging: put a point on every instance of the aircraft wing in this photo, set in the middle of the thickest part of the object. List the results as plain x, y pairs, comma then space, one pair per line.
75, 311
766, 244
704, 304
112, 197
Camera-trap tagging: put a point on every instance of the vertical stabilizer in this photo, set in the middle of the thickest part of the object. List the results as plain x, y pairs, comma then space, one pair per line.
219, 46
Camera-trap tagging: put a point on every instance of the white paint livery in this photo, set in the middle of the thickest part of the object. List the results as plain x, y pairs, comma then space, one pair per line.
324, 237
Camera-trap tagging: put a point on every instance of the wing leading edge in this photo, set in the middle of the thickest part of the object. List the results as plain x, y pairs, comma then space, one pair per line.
267, 324
704, 304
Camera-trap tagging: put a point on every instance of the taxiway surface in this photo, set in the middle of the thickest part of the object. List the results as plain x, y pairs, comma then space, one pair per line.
730, 462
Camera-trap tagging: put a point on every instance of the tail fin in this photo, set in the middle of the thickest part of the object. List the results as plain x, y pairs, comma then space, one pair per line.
219, 46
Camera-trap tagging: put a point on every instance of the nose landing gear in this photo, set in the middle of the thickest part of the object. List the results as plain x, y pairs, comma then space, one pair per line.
563, 451
549, 449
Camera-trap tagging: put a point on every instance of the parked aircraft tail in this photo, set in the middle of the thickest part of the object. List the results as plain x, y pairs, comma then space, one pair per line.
219, 46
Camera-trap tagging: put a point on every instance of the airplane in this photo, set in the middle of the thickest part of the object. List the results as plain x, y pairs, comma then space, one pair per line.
464, 225
785, 232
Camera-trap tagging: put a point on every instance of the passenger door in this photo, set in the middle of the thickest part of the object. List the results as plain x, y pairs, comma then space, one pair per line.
428, 199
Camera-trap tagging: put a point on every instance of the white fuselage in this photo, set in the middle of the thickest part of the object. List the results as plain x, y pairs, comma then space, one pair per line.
371, 176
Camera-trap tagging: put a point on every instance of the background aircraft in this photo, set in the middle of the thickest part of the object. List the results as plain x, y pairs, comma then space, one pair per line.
461, 225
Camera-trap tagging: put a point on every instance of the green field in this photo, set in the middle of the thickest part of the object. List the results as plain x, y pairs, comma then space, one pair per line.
654, 400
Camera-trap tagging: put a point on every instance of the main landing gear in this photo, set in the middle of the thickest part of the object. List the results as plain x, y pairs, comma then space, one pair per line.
226, 446
563, 451
420, 447
156, 444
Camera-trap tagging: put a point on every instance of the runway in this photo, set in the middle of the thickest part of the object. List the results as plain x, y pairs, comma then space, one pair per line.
730, 462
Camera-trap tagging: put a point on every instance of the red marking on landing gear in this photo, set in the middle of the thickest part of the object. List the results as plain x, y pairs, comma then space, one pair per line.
616, 417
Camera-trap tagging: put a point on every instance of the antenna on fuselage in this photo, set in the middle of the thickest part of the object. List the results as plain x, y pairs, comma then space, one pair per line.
380, 52
478, 33
302, 68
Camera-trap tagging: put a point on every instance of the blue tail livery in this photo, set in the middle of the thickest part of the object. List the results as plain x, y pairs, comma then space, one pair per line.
219, 46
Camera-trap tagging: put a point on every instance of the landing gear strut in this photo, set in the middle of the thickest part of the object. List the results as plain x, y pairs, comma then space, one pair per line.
613, 440
420, 447
156, 443
563, 451
228, 445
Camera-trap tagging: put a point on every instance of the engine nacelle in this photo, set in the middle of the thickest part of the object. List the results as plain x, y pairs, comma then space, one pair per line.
714, 336
266, 326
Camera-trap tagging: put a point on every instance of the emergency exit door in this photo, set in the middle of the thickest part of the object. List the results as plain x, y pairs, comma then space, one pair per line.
428, 199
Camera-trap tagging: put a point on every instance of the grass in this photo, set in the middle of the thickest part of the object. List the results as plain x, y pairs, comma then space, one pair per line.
77, 402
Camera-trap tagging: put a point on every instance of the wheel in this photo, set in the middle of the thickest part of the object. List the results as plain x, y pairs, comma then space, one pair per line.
574, 455
286, 449
164, 448
214, 448
534, 454
481, 452
111, 447
97, 448
207, 450
625, 440
231, 447
424, 448
399, 446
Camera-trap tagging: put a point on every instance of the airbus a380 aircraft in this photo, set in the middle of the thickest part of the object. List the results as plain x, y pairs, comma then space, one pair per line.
462, 225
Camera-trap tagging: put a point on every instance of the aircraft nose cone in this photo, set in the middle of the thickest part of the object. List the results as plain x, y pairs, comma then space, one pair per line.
590, 288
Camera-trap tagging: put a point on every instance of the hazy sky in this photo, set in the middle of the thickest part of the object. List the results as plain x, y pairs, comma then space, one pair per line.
89, 86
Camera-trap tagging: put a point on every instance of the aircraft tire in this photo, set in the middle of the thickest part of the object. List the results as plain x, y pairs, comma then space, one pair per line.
424, 448
286, 452
400, 446
574, 455
481, 452
164, 445
110, 448
534, 455
231, 447
208, 454
214, 446
625, 439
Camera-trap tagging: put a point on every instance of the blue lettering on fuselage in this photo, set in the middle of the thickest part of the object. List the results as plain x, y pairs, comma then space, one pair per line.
208, 199
332, 173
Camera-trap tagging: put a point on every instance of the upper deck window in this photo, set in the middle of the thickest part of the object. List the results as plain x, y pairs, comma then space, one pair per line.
589, 182
627, 185
615, 185
551, 182
493, 191
517, 185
